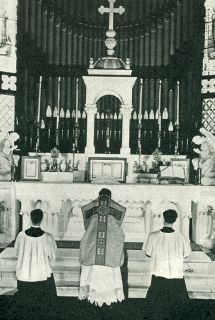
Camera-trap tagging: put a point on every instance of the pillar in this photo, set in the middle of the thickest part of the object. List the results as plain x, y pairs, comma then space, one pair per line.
126, 116
91, 110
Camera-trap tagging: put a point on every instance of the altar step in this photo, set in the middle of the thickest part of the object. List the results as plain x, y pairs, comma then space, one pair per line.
66, 269
199, 273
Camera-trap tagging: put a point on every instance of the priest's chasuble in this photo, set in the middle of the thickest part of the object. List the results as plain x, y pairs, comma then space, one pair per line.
101, 252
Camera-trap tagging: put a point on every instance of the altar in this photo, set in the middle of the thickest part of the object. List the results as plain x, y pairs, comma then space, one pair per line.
61, 203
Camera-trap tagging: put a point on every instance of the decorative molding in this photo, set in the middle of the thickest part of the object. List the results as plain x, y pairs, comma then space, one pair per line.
8, 82
90, 109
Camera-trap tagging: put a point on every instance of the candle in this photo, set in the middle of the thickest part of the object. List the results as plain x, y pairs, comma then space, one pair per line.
58, 104
39, 100
140, 101
76, 102
177, 105
159, 105
170, 105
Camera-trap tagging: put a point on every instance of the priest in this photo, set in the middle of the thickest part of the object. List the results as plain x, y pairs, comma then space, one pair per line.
101, 251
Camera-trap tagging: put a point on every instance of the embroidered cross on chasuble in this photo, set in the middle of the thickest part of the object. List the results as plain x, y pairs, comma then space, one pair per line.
103, 241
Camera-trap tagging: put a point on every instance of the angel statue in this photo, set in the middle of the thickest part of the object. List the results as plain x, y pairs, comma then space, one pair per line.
206, 160
7, 160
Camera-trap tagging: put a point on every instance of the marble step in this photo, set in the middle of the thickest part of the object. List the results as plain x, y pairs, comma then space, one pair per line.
7, 291
201, 289
64, 288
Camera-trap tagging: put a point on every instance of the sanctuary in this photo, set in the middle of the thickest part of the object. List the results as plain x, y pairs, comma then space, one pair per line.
125, 117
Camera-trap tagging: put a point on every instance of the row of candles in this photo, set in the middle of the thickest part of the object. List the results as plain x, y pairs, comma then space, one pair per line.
57, 110
166, 114
159, 115
59, 113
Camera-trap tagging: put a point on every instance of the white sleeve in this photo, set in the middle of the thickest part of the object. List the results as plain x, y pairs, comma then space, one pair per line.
52, 247
17, 243
149, 246
186, 247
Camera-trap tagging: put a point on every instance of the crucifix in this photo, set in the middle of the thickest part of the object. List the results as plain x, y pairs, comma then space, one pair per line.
111, 10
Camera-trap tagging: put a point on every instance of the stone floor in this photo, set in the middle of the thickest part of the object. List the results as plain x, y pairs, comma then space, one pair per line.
130, 309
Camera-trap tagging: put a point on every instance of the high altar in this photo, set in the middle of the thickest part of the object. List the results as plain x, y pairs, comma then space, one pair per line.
124, 125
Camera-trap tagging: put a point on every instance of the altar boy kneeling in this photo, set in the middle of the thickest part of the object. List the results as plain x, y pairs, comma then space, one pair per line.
167, 248
35, 249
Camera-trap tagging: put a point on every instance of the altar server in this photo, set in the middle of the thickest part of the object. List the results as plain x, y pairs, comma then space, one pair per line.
35, 249
168, 249
101, 251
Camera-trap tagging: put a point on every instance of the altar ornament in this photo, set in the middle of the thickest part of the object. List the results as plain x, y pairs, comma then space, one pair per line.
67, 124
7, 160
171, 109
165, 114
63, 165
54, 155
76, 102
205, 163
156, 160
107, 150
175, 172
139, 142
31, 168
77, 115
48, 121
159, 115
110, 42
37, 147
58, 112
44, 165
177, 122
107, 169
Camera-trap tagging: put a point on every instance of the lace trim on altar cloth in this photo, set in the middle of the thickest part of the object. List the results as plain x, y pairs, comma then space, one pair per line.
99, 298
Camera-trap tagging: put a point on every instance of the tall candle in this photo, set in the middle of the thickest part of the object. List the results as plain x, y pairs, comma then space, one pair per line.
140, 101
159, 105
58, 103
170, 105
39, 100
177, 104
76, 102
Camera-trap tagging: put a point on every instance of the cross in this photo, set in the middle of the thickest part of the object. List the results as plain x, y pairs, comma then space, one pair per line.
111, 10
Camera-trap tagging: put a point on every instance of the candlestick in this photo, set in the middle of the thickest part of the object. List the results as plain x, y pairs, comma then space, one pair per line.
170, 105
58, 104
39, 100
140, 101
159, 114
37, 147
177, 105
76, 102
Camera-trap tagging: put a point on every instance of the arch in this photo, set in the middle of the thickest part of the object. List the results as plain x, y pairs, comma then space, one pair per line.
106, 92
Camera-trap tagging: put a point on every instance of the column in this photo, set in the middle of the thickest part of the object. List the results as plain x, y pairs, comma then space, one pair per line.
126, 116
91, 110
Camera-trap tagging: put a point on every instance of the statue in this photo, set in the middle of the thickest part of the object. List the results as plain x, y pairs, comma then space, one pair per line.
206, 161
7, 161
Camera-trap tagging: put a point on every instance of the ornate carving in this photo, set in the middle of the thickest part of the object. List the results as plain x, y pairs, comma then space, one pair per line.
208, 85
126, 110
8, 82
90, 109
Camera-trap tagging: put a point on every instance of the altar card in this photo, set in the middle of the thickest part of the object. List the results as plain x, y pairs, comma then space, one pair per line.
179, 169
108, 168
